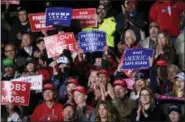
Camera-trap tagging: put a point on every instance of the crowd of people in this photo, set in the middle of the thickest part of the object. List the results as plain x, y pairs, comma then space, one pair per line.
92, 87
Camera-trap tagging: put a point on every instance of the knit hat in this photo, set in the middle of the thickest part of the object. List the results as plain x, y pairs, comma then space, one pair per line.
174, 108
8, 62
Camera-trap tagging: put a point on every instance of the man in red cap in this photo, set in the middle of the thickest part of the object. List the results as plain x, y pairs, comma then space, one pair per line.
50, 110
84, 112
120, 98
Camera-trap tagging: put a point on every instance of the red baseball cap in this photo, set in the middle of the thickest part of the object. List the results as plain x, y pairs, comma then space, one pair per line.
103, 71
162, 63
72, 80
80, 89
48, 86
122, 83
132, 1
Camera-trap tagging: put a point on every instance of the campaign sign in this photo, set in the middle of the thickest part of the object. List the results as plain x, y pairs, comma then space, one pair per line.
58, 16
37, 21
86, 17
63, 60
168, 98
57, 43
15, 92
36, 81
92, 41
135, 59
130, 82
12, 2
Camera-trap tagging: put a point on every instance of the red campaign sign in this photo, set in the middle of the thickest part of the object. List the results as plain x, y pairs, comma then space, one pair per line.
13, 2
15, 92
87, 17
37, 21
57, 43
130, 82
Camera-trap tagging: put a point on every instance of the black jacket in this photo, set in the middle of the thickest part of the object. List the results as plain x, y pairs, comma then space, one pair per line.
137, 20
155, 114
18, 28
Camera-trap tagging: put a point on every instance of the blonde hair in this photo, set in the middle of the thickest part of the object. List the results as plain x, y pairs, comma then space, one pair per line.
175, 91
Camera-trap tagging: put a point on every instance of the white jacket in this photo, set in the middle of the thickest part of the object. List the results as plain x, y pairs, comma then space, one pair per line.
179, 46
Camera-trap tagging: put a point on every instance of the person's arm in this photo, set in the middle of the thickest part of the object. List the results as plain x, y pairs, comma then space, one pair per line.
153, 79
153, 13
181, 6
172, 56
35, 115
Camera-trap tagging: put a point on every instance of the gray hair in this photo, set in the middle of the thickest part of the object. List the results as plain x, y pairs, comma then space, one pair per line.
173, 66
132, 32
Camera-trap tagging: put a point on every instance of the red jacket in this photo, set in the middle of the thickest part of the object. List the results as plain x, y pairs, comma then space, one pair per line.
43, 113
167, 15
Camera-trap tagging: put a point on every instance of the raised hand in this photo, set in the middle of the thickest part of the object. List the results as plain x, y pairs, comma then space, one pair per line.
110, 91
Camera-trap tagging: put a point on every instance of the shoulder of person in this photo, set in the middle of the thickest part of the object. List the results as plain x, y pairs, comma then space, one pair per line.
89, 107
59, 105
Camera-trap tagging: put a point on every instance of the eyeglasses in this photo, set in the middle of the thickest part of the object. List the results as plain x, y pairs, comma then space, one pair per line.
9, 50
145, 95
128, 38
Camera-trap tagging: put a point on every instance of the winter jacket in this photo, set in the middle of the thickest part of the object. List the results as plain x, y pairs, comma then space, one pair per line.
23, 53
137, 24
43, 113
109, 27
124, 107
18, 28
179, 46
155, 114
147, 43
167, 15
85, 114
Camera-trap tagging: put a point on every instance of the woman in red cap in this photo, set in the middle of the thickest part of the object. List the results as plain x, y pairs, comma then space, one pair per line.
50, 110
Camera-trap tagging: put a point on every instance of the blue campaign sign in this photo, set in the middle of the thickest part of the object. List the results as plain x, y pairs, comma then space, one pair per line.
92, 41
136, 59
58, 16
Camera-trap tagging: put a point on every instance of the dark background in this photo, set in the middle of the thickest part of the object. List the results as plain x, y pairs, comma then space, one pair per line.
34, 6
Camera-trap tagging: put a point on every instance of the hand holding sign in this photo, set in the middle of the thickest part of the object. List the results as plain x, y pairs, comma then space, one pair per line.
58, 16
135, 59
92, 41
86, 17
14, 92
57, 43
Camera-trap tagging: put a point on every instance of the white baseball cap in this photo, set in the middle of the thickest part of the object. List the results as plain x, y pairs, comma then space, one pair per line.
180, 75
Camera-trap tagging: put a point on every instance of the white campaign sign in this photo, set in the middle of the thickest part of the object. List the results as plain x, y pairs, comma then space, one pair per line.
36, 81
